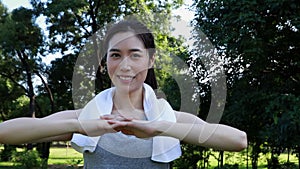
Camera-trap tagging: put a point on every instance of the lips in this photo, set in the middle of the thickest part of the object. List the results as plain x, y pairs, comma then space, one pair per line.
126, 78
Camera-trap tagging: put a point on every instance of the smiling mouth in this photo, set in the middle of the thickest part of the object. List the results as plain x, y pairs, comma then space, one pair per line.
126, 78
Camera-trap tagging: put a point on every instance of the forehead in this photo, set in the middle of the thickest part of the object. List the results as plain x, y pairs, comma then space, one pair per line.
125, 39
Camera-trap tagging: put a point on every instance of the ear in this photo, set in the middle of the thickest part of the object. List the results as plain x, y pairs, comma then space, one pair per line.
151, 61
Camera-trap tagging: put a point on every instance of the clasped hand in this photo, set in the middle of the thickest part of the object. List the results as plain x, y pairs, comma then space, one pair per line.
130, 126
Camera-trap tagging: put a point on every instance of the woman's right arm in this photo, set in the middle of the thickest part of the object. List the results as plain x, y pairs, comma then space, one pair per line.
58, 126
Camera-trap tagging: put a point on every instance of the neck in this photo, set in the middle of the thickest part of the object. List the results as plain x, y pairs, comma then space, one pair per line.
129, 100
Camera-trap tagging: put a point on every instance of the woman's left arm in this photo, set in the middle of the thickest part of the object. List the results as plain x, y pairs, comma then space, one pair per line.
191, 129
188, 128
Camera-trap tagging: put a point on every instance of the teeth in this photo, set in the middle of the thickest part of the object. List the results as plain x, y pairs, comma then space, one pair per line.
125, 77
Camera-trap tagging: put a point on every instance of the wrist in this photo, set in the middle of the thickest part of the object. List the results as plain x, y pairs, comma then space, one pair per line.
78, 127
107, 127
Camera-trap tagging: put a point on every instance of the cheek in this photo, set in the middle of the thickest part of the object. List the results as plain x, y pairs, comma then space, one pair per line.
142, 73
141, 68
111, 68
143, 64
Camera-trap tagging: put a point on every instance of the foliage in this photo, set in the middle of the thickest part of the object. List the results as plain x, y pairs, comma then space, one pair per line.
21, 42
10, 90
170, 63
28, 160
258, 43
6, 153
289, 166
70, 25
75, 162
60, 83
76, 29
191, 157
12, 100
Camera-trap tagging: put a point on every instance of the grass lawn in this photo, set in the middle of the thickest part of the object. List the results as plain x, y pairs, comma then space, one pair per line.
60, 158
65, 156
237, 158
68, 158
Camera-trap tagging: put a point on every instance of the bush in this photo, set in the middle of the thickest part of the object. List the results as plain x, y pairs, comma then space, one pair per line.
7, 152
29, 159
75, 163
289, 166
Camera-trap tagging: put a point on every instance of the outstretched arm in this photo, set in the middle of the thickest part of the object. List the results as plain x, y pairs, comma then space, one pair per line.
58, 126
189, 129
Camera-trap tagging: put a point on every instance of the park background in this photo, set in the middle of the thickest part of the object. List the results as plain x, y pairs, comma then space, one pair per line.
257, 44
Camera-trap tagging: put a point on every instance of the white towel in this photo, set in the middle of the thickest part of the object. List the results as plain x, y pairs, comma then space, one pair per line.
165, 149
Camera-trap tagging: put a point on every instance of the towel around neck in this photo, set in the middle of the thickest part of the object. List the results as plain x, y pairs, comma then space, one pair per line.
165, 149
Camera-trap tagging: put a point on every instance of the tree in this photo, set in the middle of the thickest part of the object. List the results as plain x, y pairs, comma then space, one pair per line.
22, 51
20, 42
12, 105
77, 27
259, 40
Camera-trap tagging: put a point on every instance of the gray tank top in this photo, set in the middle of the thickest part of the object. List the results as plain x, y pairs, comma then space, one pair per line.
119, 151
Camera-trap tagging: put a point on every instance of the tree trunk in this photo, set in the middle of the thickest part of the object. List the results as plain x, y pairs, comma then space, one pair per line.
44, 148
221, 159
255, 155
254, 163
31, 96
30, 91
288, 156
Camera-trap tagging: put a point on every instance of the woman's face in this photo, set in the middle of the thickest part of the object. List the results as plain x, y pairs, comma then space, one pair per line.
127, 61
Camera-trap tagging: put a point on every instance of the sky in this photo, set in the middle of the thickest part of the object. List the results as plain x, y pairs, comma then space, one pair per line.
12, 4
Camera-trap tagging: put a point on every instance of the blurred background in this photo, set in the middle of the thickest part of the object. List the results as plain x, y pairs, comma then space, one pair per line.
256, 45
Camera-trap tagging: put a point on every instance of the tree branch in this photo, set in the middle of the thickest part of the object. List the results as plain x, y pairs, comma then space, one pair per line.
14, 81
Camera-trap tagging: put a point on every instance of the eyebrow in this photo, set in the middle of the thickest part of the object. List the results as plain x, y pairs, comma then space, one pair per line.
131, 50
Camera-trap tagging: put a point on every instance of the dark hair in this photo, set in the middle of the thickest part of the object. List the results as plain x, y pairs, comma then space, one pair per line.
141, 32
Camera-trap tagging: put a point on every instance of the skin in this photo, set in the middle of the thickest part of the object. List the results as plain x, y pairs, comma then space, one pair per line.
122, 60
127, 63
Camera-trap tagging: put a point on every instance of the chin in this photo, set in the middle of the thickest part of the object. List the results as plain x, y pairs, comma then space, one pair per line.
130, 88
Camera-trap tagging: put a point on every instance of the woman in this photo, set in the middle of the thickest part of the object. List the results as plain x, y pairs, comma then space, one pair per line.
125, 126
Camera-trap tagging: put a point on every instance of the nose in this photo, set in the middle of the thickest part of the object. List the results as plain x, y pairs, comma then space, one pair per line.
125, 65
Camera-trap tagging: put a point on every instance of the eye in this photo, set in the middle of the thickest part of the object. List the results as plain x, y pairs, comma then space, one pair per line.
115, 55
135, 55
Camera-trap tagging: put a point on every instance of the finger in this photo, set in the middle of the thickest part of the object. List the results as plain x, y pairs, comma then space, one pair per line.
112, 122
117, 129
127, 132
116, 123
124, 130
107, 117
120, 118
128, 118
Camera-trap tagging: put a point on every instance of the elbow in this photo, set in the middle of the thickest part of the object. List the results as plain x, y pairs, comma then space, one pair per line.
243, 142
3, 139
